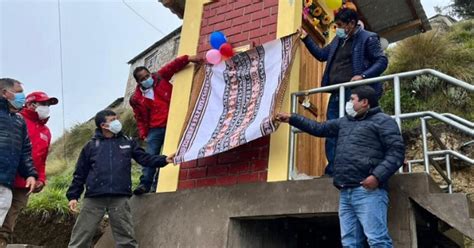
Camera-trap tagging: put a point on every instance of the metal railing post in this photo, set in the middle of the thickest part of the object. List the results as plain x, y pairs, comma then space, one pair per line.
448, 174
291, 155
397, 106
425, 145
342, 101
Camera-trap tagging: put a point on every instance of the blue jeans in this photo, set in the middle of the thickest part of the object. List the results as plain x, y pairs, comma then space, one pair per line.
363, 215
155, 139
332, 113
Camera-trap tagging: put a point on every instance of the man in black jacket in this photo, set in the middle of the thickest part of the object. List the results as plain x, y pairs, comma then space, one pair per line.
104, 167
15, 146
352, 55
369, 151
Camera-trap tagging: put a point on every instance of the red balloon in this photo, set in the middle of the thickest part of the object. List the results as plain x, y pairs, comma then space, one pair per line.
226, 50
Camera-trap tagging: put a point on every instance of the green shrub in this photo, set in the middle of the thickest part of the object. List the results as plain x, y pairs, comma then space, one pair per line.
450, 52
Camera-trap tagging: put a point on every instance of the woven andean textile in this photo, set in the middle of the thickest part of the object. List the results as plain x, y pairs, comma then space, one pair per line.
235, 101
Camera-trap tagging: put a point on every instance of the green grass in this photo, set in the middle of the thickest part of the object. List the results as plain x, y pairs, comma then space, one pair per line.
450, 52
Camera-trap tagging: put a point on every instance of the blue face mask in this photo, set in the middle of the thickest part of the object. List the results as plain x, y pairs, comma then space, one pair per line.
18, 101
147, 83
341, 33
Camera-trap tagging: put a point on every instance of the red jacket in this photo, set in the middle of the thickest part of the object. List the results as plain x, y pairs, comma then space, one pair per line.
40, 137
154, 113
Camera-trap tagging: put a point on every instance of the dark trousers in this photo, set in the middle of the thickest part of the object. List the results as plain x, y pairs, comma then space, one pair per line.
92, 212
155, 139
331, 142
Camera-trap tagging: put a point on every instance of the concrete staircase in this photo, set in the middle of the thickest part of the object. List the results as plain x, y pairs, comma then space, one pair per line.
262, 214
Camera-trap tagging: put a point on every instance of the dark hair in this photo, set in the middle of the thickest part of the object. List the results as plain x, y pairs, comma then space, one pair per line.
101, 116
366, 92
6, 83
347, 15
137, 70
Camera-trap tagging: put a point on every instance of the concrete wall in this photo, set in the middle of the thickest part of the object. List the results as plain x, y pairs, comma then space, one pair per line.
230, 216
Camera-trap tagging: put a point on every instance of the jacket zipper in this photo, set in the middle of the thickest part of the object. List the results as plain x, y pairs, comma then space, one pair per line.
110, 163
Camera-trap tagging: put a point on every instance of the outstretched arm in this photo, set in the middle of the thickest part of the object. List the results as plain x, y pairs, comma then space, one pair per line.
324, 129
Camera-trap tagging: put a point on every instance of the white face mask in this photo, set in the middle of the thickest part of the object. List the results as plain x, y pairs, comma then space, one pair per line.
350, 109
115, 126
43, 112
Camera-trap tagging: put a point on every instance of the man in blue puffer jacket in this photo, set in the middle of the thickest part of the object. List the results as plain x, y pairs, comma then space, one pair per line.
104, 167
354, 54
369, 151
15, 146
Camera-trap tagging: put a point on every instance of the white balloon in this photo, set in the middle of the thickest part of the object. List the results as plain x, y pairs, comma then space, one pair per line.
384, 43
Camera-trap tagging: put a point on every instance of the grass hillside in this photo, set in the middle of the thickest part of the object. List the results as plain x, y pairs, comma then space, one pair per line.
449, 51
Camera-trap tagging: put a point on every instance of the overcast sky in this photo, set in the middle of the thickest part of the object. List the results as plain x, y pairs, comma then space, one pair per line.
98, 38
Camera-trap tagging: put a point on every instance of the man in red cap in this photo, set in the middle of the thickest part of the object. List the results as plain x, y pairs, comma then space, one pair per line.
36, 114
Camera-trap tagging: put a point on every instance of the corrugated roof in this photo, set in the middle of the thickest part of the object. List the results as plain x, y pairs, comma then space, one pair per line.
156, 44
393, 19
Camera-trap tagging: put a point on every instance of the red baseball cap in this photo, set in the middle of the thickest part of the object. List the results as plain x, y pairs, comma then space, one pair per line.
39, 96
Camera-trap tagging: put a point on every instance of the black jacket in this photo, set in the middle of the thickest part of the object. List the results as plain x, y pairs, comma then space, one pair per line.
15, 147
369, 145
105, 165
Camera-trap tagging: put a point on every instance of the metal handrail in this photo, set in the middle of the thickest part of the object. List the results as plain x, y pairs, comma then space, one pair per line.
436, 73
452, 153
441, 117
450, 119
459, 119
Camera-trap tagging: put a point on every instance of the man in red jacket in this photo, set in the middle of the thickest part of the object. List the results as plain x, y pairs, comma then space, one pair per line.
150, 103
36, 114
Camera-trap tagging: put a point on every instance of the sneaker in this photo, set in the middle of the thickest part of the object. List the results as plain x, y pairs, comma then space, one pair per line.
141, 189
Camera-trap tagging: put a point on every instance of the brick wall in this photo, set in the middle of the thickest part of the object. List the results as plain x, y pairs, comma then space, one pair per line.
244, 164
243, 22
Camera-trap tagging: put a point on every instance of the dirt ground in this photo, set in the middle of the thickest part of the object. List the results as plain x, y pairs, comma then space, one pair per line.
462, 174
48, 231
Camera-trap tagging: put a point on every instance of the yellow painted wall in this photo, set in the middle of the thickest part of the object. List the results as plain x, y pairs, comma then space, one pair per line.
289, 20
168, 180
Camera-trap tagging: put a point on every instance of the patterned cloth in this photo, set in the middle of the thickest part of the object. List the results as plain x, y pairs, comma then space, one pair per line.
237, 100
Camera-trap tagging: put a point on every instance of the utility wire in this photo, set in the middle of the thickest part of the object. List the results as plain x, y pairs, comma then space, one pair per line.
62, 80
143, 18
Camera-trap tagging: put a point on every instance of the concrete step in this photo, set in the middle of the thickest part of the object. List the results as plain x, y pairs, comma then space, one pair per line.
451, 208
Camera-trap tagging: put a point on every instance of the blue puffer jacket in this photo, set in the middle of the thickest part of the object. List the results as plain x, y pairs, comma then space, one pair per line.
15, 147
368, 59
105, 166
370, 145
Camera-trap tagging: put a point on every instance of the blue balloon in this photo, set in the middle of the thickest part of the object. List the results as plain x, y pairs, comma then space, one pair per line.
217, 38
